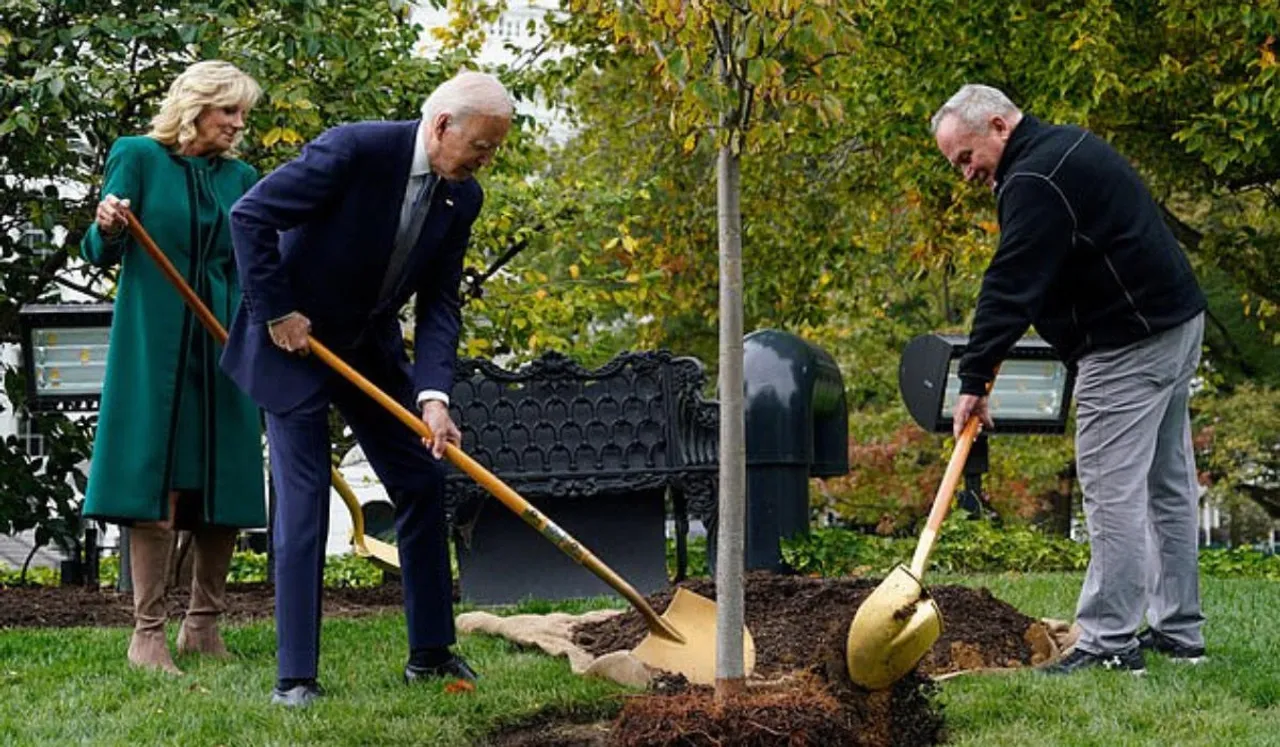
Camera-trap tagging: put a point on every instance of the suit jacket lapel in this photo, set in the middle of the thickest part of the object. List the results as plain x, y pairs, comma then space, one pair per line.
400, 153
432, 234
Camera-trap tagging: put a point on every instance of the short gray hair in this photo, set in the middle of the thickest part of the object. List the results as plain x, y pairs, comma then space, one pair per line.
974, 105
469, 93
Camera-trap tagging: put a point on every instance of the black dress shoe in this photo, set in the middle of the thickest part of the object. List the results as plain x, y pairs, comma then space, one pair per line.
453, 668
297, 696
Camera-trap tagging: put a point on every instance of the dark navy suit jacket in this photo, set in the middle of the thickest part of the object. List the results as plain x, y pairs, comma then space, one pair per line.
316, 236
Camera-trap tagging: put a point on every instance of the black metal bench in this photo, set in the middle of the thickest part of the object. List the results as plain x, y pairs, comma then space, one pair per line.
599, 451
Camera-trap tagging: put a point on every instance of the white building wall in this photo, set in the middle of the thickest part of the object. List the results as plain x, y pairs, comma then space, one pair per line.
507, 40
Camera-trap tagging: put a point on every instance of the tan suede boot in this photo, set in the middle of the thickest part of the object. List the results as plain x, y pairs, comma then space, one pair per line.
213, 546
149, 551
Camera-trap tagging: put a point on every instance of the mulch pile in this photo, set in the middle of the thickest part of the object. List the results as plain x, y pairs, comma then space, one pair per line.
75, 606
800, 626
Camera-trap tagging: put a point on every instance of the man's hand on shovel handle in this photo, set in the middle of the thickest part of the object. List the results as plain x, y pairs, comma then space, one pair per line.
289, 333
966, 406
443, 431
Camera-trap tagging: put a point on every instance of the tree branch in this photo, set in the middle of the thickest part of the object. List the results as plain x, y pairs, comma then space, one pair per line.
1260, 179
1185, 234
85, 289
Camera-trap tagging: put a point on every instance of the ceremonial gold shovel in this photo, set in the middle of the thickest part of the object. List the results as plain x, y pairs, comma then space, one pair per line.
898, 623
680, 640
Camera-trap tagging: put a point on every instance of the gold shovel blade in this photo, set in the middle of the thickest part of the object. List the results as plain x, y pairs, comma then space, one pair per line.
382, 554
694, 617
893, 629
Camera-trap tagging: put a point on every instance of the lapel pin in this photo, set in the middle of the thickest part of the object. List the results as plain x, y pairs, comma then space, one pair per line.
448, 201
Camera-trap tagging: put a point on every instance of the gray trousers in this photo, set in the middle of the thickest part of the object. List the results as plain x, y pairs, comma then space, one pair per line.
1138, 474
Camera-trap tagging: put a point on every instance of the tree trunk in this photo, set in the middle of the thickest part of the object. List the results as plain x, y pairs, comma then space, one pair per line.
730, 674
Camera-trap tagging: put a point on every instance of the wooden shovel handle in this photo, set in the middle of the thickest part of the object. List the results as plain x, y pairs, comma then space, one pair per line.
504, 493
215, 328
942, 501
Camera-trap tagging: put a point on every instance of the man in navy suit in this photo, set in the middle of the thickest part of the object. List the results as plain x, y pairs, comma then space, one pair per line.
334, 243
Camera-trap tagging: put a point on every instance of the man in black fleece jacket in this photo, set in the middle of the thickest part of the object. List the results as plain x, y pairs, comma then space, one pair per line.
1087, 258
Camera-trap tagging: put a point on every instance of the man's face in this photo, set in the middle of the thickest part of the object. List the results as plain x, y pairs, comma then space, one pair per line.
975, 153
459, 148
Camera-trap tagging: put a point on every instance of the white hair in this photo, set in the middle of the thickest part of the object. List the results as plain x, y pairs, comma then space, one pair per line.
974, 105
468, 93
212, 83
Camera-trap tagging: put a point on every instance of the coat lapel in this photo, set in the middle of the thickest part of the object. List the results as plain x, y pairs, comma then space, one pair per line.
434, 229
400, 153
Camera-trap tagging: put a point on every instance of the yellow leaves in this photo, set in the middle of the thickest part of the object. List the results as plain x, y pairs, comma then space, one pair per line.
990, 226
277, 134
633, 277
1268, 52
574, 272
1078, 44
292, 103
824, 279
541, 294
690, 142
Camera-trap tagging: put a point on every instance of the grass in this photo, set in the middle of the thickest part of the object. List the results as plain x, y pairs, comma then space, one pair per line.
1232, 699
71, 686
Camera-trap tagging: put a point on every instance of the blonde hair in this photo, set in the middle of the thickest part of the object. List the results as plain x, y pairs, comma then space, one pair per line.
212, 83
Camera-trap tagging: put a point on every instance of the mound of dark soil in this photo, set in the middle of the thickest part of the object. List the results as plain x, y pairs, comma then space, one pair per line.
794, 618
800, 626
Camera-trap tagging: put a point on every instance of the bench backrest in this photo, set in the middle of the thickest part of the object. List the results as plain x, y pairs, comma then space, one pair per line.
553, 427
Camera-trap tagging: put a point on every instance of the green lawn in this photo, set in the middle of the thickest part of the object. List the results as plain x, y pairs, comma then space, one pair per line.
72, 687
1232, 699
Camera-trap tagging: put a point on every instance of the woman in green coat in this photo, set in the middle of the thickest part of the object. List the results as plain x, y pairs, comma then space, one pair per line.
178, 446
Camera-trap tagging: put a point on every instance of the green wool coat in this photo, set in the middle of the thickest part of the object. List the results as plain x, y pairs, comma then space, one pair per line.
169, 418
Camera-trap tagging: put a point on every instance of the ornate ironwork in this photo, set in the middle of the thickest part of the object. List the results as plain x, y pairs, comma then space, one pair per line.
554, 429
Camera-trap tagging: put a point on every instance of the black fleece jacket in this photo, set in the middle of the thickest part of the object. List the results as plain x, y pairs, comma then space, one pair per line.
1084, 254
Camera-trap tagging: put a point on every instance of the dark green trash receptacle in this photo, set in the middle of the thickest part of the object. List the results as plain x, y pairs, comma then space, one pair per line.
797, 427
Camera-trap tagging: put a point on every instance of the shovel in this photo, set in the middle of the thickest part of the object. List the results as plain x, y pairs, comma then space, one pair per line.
682, 640
381, 554
899, 621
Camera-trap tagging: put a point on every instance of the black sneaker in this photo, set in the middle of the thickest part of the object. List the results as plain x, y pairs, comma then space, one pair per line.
1152, 640
1130, 661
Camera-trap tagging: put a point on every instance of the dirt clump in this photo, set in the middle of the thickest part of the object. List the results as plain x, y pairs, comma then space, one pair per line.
800, 626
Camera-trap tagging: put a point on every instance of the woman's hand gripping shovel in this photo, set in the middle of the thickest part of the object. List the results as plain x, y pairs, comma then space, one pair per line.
680, 640
899, 622
382, 554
